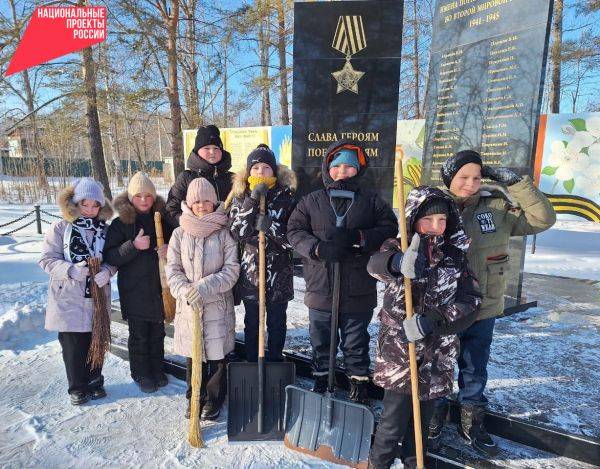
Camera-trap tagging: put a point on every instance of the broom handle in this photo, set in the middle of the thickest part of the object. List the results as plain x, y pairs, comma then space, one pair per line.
228, 200
195, 434
160, 239
168, 301
412, 353
262, 280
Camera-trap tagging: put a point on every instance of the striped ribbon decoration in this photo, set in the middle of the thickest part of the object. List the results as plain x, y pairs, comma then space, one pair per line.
575, 205
349, 35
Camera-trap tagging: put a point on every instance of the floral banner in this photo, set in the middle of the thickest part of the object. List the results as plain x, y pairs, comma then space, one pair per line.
568, 167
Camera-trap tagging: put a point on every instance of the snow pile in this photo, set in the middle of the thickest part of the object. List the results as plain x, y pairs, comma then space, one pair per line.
22, 310
20, 319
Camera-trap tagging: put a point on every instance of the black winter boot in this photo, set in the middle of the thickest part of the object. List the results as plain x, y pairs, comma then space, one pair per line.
147, 385
97, 393
161, 380
210, 411
320, 385
79, 397
472, 430
436, 425
96, 389
358, 390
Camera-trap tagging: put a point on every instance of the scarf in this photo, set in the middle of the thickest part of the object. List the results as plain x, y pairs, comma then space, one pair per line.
84, 238
201, 227
433, 248
254, 181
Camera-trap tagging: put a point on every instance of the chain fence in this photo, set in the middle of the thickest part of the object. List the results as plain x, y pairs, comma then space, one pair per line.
36, 213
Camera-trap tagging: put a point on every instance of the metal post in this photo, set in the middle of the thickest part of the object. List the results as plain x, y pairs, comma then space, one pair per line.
38, 218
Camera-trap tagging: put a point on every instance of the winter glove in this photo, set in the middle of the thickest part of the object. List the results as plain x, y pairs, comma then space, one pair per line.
262, 222
79, 271
141, 241
102, 278
193, 297
260, 189
412, 263
345, 237
162, 251
416, 327
501, 175
331, 252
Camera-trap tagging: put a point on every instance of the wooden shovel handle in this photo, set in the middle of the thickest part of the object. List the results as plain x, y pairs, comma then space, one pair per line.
412, 351
262, 284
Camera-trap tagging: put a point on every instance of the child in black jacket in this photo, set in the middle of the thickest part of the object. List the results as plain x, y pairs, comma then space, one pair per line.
312, 232
262, 176
209, 160
131, 247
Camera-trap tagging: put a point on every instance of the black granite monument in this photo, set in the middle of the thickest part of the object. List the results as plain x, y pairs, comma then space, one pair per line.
485, 82
486, 76
346, 73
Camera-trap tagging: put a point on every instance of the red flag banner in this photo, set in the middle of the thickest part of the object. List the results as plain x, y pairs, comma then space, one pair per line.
56, 31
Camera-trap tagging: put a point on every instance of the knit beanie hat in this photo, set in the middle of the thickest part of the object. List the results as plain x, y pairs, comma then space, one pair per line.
262, 154
87, 188
208, 135
140, 183
198, 190
433, 207
345, 156
454, 163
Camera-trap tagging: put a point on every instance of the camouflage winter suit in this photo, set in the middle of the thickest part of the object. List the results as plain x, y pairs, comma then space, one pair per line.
448, 294
280, 203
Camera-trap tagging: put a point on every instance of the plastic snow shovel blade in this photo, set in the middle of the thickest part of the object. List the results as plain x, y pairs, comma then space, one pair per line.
344, 440
242, 400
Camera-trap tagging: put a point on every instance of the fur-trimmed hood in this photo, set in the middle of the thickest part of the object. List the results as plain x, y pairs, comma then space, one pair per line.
127, 212
286, 178
69, 210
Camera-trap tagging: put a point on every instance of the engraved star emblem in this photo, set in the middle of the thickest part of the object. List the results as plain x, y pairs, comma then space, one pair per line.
347, 78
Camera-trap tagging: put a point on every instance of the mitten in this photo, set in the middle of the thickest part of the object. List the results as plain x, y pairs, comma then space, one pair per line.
260, 189
102, 278
345, 237
416, 327
79, 271
501, 175
331, 252
412, 263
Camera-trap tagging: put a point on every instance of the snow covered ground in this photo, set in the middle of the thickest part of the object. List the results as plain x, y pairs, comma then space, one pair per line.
569, 249
40, 428
543, 368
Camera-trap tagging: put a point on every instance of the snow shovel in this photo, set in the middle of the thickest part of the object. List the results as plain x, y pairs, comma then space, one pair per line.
412, 351
251, 385
322, 425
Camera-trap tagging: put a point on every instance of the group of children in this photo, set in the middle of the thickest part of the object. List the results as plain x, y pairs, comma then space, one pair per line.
212, 263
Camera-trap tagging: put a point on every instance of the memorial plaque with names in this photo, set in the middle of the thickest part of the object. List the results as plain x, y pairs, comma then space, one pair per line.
485, 82
484, 92
346, 80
